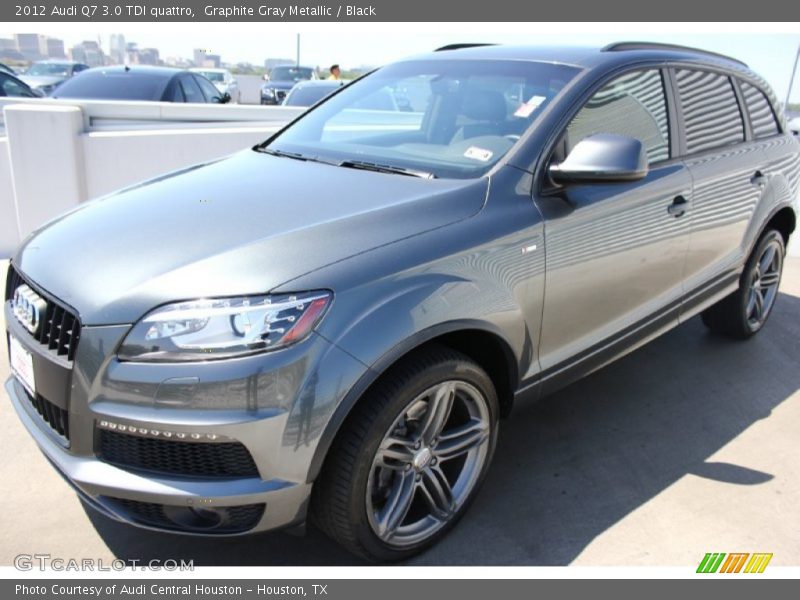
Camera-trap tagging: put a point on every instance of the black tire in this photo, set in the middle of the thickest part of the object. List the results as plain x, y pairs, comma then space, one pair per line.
340, 506
734, 316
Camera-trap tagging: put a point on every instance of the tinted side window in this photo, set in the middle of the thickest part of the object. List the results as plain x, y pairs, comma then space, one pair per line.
762, 118
191, 90
174, 92
711, 114
209, 91
633, 105
11, 87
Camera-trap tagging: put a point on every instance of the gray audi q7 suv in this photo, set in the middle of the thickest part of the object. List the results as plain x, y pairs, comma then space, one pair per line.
330, 325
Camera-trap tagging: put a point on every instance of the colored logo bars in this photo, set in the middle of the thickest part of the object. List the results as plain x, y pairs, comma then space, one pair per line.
735, 562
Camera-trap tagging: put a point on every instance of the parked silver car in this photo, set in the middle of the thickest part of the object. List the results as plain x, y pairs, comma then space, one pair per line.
45, 76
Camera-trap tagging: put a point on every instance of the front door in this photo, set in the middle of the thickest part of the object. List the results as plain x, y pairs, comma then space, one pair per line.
615, 252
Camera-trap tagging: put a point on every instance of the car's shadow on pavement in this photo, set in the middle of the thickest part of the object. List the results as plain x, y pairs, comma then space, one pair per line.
569, 467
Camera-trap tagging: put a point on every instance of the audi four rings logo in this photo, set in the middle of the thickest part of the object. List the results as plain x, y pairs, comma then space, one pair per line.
28, 307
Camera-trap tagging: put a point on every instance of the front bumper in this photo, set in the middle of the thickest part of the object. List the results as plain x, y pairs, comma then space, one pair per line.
276, 405
277, 97
103, 485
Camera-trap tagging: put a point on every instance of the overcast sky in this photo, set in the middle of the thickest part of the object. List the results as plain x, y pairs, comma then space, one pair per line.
351, 45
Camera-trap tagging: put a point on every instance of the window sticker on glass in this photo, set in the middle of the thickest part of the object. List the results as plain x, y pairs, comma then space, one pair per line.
480, 154
526, 110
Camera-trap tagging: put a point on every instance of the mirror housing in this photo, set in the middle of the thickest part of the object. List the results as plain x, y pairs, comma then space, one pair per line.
603, 157
225, 98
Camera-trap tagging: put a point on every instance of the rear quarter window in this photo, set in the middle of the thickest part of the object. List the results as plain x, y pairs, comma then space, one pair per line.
762, 118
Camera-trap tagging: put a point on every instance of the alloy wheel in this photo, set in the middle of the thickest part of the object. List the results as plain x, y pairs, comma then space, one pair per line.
427, 463
764, 281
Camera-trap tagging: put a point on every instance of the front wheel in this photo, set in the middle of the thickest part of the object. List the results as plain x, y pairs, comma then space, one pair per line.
410, 458
742, 314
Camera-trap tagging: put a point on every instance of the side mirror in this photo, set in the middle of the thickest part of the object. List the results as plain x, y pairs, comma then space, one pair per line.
603, 157
225, 98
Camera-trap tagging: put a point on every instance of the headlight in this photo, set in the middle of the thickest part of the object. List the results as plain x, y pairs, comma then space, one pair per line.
224, 327
268, 92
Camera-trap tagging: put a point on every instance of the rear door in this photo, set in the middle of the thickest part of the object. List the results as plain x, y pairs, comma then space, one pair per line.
726, 170
780, 149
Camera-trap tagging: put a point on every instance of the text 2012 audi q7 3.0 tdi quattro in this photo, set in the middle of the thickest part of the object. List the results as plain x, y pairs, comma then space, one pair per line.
328, 326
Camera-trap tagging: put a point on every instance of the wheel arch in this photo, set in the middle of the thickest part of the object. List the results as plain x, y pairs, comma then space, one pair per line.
478, 340
784, 220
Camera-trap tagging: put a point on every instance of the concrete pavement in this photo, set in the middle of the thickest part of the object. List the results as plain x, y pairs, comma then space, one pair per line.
689, 445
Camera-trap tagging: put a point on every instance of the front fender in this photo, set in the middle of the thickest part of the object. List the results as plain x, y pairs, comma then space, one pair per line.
482, 274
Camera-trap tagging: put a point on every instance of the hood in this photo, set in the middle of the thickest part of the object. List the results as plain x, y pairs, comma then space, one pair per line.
279, 85
41, 80
243, 225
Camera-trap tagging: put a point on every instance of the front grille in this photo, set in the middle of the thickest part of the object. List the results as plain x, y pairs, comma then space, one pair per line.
280, 94
60, 330
53, 415
191, 459
222, 519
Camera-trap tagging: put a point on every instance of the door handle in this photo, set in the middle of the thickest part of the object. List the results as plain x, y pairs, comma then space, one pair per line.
758, 179
678, 206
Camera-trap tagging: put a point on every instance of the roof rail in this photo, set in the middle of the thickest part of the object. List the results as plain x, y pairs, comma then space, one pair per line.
460, 46
621, 46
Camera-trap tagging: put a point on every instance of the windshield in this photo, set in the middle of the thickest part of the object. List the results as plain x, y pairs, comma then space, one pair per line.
450, 118
290, 73
214, 76
49, 69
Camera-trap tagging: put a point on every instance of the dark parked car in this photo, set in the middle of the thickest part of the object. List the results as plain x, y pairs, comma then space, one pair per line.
308, 93
46, 75
158, 84
13, 86
5, 68
332, 323
281, 80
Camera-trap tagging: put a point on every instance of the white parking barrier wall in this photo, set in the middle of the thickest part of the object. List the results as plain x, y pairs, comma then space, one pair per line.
56, 154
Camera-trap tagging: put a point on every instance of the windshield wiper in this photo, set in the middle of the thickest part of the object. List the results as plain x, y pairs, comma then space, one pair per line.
284, 154
368, 166
351, 164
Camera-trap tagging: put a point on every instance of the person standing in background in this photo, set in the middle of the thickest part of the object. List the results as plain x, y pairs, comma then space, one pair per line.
336, 73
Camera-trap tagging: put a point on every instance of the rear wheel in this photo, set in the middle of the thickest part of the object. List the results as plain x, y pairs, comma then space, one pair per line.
743, 313
410, 458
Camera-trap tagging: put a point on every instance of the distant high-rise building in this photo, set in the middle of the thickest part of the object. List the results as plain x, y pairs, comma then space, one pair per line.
199, 57
212, 60
55, 48
131, 53
116, 48
8, 50
88, 52
148, 56
31, 45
